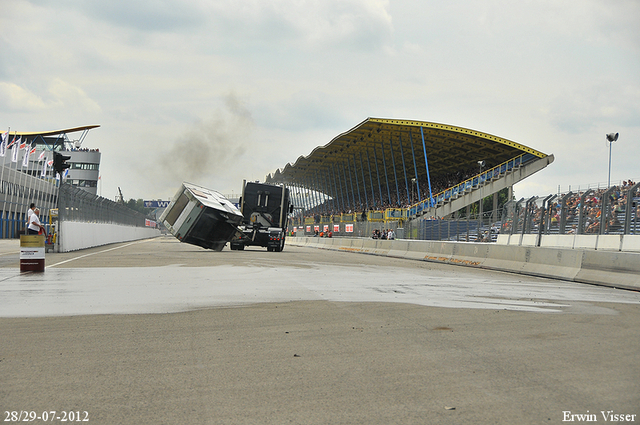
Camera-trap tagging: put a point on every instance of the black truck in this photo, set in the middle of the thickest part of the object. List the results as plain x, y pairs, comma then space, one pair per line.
265, 209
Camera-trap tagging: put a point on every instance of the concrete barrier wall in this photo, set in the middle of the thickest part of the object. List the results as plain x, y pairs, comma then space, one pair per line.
610, 268
625, 243
75, 235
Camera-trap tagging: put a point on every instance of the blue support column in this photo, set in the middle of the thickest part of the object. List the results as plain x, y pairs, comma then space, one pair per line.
375, 159
404, 167
320, 192
386, 177
426, 162
338, 182
299, 198
364, 184
324, 196
338, 192
314, 194
346, 188
373, 192
415, 169
307, 198
301, 201
327, 183
395, 174
356, 175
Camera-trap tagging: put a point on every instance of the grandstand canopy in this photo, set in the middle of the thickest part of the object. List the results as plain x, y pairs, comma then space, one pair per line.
448, 149
380, 161
52, 137
53, 132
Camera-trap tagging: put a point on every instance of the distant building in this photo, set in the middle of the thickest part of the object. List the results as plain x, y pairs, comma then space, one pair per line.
84, 170
32, 180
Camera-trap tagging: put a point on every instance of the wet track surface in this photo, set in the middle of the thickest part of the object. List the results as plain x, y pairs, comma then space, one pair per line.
307, 336
162, 275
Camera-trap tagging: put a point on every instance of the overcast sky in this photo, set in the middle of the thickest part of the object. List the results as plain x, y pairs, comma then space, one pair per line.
217, 91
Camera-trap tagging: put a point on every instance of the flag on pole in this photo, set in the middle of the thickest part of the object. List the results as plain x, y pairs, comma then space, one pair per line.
25, 159
23, 145
13, 141
14, 152
44, 167
3, 145
65, 174
41, 157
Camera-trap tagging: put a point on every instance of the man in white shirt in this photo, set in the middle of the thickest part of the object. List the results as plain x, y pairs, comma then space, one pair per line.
34, 223
30, 212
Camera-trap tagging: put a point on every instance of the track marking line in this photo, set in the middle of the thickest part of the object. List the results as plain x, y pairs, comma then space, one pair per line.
94, 253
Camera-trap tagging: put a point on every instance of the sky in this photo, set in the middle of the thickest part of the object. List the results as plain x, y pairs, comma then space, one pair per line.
216, 91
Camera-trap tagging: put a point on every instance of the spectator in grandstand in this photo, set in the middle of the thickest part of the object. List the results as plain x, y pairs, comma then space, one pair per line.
391, 235
593, 225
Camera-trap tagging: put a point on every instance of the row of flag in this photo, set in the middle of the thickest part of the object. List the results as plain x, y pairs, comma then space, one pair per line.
17, 145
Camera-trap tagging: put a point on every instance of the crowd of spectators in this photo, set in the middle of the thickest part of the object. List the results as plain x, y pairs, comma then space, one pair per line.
383, 234
401, 196
596, 206
79, 150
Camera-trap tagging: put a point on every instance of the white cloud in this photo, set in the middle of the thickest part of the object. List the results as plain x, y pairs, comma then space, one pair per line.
16, 98
156, 75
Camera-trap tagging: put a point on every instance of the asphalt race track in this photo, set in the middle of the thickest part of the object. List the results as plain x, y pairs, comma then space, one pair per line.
157, 331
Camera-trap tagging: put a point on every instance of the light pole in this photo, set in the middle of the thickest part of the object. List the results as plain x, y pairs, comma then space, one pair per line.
413, 195
611, 137
481, 164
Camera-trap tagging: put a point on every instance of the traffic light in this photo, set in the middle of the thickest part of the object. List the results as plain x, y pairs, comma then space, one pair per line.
60, 162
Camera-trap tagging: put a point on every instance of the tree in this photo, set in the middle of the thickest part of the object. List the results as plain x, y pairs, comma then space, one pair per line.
137, 205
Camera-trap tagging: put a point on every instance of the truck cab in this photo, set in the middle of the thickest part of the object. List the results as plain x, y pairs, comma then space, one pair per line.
265, 210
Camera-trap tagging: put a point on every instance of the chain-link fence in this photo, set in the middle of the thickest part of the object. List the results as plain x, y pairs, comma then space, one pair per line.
471, 229
78, 205
615, 210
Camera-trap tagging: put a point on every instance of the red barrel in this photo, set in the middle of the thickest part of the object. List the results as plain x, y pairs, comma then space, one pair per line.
32, 253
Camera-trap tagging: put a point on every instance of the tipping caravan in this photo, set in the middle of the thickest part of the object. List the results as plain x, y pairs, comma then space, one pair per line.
201, 217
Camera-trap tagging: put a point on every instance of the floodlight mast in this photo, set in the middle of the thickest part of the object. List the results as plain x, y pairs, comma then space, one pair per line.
611, 137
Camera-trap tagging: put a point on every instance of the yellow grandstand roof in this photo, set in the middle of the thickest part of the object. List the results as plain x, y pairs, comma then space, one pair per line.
52, 132
388, 142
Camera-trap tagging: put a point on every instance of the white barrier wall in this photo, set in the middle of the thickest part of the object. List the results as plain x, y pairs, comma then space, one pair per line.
74, 235
611, 268
596, 242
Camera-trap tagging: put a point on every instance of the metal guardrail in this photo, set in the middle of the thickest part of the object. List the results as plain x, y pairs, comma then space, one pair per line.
470, 184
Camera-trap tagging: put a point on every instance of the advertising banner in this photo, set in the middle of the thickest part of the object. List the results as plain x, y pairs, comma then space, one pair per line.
348, 228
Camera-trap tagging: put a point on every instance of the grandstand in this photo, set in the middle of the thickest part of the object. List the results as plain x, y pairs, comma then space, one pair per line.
397, 171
